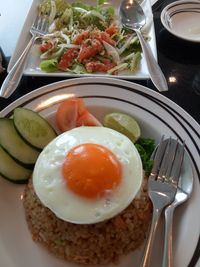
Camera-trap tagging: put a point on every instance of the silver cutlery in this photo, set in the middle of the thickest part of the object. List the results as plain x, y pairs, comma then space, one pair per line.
38, 29
163, 184
133, 18
184, 191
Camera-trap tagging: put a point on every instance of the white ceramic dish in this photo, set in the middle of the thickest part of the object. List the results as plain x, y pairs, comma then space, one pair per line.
32, 66
157, 115
182, 19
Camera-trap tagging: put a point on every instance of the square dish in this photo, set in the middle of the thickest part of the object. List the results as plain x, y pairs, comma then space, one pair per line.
32, 66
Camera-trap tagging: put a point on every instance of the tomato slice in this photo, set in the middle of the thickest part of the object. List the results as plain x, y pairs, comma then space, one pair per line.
68, 113
87, 119
72, 113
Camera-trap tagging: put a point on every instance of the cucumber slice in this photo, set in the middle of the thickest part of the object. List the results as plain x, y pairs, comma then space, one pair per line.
12, 142
11, 170
34, 129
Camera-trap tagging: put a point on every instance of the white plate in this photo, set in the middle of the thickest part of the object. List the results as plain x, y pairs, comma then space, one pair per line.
157, 115
182, 19
32, 66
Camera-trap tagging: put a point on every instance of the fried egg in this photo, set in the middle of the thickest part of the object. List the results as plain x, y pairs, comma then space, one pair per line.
88, 174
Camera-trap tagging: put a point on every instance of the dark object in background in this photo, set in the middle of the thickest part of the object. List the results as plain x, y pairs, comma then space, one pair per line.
2, 61
3, 66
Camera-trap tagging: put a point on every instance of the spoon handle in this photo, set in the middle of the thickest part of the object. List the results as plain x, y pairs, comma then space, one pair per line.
14, 76
168, 241
155, 72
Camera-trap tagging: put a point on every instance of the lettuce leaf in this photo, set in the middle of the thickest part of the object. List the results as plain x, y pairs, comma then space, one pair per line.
49, 65
78, 68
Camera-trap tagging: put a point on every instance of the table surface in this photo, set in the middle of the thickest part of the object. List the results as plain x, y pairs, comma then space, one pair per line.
178, 59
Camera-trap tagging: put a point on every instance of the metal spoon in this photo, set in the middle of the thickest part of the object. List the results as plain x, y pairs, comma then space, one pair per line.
183, 193
133, 18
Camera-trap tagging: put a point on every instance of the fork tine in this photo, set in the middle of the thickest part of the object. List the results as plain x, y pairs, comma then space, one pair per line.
174, 144
35, 23
38, 26
46, 25
176, 169
43, 24
168, 160
164, 162
157, 157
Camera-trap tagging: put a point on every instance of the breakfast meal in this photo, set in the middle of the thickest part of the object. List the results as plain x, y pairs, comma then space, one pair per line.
86, 198
84, 39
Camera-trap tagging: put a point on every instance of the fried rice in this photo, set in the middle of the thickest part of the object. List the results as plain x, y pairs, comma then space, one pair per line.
99, 243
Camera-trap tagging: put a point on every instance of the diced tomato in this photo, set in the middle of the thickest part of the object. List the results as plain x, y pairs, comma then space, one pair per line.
112, 29
78, 40
99, 66
89, 49
45, 47
68, 113
103, 36
67, 59
106, 37
87, 119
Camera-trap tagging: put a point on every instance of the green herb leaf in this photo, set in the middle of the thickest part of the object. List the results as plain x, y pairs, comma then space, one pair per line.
145, 147
49, 65
100, 2
78, 69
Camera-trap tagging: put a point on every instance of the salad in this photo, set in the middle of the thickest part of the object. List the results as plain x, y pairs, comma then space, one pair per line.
86, 39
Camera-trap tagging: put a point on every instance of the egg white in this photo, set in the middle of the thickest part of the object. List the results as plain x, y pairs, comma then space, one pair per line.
51, 188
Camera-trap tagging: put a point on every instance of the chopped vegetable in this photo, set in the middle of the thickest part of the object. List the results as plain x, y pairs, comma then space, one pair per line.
49, 65
77, 68
66, 60
134, 65
118, 67
112, 52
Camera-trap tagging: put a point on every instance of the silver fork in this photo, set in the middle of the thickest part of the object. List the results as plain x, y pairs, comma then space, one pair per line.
38, 29
162, 184
183, 193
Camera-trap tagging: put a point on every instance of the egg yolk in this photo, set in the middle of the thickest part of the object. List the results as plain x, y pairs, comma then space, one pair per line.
91, 169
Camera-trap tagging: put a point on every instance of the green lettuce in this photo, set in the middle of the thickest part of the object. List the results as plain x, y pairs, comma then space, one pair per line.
49, 65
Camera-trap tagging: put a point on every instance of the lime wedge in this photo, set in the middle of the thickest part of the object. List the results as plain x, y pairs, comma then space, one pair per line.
124, 124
